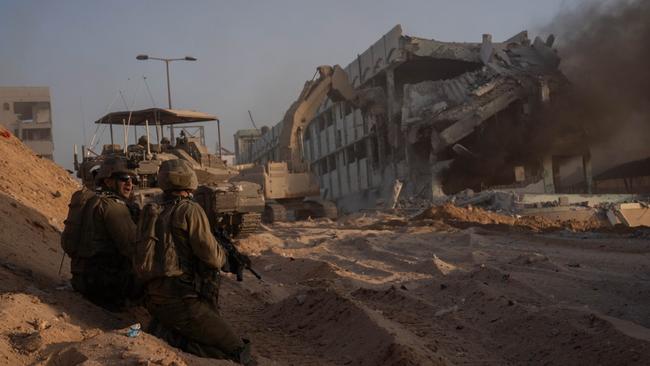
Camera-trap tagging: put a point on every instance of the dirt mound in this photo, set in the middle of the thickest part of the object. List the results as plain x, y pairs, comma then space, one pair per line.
34, 197
29, 244
115, 348
55, 326
485, 316
474, 216
33, 181
258, 243
299, 271
345, 332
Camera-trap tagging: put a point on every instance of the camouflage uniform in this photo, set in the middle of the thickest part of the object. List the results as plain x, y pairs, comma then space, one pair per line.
101, 269
184, 307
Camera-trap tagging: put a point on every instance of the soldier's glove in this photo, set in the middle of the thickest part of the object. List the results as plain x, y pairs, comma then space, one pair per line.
236, 264
245, 261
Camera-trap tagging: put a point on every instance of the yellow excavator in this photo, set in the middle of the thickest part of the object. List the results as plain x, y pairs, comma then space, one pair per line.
290, 189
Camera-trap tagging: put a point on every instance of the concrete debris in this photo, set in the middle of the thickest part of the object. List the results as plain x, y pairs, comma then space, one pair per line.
627, 210
630, 214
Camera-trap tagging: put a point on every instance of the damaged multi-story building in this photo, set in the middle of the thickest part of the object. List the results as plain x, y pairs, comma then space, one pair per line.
26, 112
451, 116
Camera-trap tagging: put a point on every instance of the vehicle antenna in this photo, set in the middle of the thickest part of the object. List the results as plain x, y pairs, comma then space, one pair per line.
153, 102
252, 120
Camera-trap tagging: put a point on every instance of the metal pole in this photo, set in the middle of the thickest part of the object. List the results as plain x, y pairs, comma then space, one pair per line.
219, 134
111, 128
169, 93
146, 123
126, 135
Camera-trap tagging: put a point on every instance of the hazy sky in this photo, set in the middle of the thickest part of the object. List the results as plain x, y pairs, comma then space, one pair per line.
251, 54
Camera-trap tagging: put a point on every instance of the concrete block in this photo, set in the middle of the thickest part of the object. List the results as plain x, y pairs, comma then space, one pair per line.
634, 215
562, 213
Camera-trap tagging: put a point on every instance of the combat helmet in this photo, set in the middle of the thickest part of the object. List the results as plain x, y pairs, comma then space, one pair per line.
176, 175
143, 140
114, 165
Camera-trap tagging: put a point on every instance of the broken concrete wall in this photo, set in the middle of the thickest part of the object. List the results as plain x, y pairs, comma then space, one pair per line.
517, 79
439, 99
426, 100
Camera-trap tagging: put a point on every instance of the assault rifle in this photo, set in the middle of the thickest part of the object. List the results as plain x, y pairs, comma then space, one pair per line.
241, 261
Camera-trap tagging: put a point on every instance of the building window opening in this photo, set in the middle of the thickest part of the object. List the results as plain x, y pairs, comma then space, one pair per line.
348, 108
24, 111
331, 162
329, 115
37, 134
375, 152
350, 155
360, 149
323, 167
5, 106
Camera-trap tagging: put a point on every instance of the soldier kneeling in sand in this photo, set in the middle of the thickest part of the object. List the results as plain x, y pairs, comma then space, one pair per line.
178, 259
99, 236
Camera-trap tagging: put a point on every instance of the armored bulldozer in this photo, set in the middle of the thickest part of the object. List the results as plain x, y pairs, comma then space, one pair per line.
233, 207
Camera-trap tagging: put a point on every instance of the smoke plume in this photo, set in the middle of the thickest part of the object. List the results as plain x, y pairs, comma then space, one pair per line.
605, 50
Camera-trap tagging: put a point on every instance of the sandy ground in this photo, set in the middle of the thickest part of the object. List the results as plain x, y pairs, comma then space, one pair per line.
449, 286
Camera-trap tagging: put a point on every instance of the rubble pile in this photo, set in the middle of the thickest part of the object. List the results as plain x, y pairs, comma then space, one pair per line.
538, 212
472, 216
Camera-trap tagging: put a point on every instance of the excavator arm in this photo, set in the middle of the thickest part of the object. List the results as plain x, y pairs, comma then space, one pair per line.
332, 82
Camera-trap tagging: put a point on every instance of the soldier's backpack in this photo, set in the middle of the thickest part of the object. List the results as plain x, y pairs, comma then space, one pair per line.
155, 254
77, 224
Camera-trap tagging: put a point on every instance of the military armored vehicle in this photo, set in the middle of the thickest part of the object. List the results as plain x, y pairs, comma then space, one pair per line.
234, 207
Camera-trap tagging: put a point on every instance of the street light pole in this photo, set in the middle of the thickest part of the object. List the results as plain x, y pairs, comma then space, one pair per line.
169, 90
167, 61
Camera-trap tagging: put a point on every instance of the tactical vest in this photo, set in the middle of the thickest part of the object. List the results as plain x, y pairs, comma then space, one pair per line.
156, 254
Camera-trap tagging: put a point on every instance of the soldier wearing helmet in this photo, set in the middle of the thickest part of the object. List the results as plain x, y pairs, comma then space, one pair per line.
143, 141
116, 177
183, 302
101, 267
